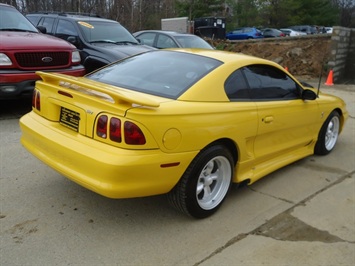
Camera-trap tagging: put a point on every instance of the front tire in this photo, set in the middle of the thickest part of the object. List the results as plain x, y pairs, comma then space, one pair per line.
328, 135
205, 184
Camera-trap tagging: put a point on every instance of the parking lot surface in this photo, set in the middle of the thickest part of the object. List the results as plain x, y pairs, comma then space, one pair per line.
303, 214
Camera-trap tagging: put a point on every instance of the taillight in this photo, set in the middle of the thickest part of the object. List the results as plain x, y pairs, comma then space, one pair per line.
115, 130
133, 134
101, 127
36, 100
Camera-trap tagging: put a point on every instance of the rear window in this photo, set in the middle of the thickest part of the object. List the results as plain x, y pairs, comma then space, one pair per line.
162, 73
96, 31
192, 41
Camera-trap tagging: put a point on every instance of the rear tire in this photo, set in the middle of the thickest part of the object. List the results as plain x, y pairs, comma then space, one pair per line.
205, 183
328, 135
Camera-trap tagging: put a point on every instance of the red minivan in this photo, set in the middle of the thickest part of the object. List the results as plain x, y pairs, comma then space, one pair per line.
25, 50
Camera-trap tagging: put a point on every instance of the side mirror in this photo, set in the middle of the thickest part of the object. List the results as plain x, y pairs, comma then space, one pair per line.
42, 29
309, 95
73, 40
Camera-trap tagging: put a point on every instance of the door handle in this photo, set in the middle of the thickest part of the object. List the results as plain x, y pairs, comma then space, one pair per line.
268, 119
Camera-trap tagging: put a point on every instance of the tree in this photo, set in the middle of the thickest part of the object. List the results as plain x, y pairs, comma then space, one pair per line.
247, 13
199, 8
283, 13
147, 14
346, 12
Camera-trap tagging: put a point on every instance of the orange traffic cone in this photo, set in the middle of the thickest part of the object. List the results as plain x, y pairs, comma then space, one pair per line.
286, 68
329, 81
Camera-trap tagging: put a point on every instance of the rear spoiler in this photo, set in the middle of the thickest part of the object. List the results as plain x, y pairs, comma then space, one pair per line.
102, 90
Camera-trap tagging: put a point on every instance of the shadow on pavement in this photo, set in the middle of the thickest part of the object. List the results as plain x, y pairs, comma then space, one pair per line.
10, 109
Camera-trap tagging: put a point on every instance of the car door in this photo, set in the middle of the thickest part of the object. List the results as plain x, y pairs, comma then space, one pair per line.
285, 121
247, 33
245, 120
236, 34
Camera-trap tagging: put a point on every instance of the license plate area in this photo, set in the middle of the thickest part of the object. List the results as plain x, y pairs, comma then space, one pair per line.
69, 118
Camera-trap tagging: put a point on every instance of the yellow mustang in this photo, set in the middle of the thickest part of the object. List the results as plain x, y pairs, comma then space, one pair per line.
187, 123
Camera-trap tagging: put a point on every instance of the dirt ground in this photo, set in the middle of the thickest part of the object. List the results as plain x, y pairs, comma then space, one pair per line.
301, 56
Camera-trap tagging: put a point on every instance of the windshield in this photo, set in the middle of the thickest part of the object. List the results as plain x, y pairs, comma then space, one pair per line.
12, 20
97, 31
162, 73
192, 42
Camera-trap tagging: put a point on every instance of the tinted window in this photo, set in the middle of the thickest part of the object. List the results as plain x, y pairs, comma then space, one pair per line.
34, 19
236, 87
267, 82
48, 23
192, 41
162, 73
165, 42
66, 28
237, 31
147, 38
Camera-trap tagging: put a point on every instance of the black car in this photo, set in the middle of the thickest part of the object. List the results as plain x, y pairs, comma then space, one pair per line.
100, 41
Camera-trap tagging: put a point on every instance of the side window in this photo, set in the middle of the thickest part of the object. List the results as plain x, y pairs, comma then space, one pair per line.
269, 83
147, 38
165, 42
65, 29
48, 24
33, 19
236, 87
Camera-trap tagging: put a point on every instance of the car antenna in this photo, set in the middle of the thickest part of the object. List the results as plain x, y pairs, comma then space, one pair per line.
320, 75
320, 79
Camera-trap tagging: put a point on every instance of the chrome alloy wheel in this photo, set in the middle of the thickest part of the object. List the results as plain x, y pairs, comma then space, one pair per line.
331, 135
213, 182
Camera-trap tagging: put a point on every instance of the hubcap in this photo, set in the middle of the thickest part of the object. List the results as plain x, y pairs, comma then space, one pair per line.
331, 135
213, 183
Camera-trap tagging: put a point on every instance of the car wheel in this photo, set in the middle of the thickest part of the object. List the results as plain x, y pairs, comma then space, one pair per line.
205, 184
328, 134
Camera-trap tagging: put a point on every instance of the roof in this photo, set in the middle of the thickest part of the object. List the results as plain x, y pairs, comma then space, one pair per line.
225, 56
172, 33
74, 16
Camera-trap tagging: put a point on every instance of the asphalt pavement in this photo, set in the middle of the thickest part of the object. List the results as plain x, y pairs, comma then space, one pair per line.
303, 214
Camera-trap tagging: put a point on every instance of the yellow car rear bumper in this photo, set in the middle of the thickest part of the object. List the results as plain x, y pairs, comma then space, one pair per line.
104, 169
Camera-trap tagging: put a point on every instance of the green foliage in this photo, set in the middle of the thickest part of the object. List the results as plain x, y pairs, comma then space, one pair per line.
247, 13
316, 12
284, 13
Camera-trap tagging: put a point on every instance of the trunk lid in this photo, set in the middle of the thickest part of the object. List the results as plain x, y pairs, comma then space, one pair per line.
76, 102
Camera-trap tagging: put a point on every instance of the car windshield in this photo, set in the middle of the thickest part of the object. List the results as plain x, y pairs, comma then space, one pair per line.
13, 20
104, 31
162, 73
192, 42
